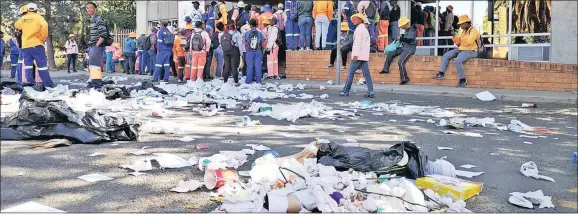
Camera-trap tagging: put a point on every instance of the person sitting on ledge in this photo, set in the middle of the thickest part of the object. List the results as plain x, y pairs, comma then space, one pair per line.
467, 43
406, 49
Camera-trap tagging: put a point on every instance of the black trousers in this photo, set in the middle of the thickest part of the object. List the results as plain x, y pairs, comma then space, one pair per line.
129, 62
231, 65
244, 69
207, 69
343, 56
71, 59
404, 53
181, 67
173, 65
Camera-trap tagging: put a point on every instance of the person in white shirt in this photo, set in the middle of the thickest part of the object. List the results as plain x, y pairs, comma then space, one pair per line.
272, 50
71, 52
197, 13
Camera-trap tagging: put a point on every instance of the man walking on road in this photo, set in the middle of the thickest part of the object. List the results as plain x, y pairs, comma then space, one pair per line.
34, 34
359, 55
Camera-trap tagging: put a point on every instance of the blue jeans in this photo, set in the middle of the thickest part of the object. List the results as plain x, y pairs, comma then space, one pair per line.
143, 59
109, 64
364, 66
152, 61
305, 27
394, 30
461, 57
220, 57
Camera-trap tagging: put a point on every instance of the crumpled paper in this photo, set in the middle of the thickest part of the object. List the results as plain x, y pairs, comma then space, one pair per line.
530, 169
187, 186
528, 199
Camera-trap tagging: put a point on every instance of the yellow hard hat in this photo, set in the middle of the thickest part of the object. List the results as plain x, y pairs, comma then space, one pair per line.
464, 19
132, 35
344, 26
23, 10
266, 21
359, 16
143, 32
402, 21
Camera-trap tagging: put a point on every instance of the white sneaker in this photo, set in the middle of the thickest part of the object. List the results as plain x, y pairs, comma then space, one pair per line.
308, 49
301, 49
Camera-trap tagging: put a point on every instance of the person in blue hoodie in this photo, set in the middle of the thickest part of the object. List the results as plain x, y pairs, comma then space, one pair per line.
14, 53
165, 40
129, 52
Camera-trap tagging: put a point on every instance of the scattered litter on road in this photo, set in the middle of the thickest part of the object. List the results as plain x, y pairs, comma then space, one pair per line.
468, 174
450, 132
529, 105
31, 207
170, 161
136, 174
321, 87
21, 174
139, 165
330, 82
468, 166
519, 127
202, 146
94, 177
341, 131
542, 130
324, 96
416, 120
96, 154
491, 133
494, 154
431, 121
530, 169
472, 134
187, 186
529, 136
392, 120
485, 96
140, 152
445, 148
377, 114
527, 200
529, 143
187, 139
52, 143
258, 147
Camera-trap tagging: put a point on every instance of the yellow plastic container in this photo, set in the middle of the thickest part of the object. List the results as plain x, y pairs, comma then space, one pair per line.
444, 185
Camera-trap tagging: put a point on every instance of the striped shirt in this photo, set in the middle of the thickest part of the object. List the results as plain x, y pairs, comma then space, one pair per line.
97, 30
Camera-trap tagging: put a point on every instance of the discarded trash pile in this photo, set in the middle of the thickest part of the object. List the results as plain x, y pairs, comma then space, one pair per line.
292, 112
48, 119
328, 177
403, 110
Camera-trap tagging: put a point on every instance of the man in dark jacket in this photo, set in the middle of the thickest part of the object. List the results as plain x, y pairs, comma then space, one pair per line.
129, 52
143, 54
97, 36
394, 15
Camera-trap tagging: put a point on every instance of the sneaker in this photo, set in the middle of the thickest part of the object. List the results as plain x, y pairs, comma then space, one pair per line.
330, 66
179, 81
462, 83
440, 76
404, 82
74, 71
237, 84
370, 95
301, 49
384, 72
342, 68
343, 94
308, 49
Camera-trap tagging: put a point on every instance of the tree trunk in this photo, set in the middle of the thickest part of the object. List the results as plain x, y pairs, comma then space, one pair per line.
49, 45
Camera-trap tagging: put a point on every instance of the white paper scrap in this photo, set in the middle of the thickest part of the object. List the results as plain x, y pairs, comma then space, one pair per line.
494, 154
450, 132
377, 114
430, 121
416, 120
526, 142
187, 139
485, 96
32, 207
445, 148
139, 153
392, 120
94, 177
187, 186
258, 147
468, 166
96, 154
529, 136
472, 134
467, 173
248, 151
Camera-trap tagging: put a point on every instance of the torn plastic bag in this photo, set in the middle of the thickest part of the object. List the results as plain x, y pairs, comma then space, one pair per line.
146, 85
49, 119
113, 92
11, 85
403, 159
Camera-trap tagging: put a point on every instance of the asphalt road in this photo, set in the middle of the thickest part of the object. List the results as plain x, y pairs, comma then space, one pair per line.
48, 176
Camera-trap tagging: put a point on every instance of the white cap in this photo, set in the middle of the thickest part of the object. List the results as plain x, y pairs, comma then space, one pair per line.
418, 4
280, 6
32, 7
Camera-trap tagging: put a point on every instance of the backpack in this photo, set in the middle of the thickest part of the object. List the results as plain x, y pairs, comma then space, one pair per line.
184, 43
280, 20
219, 14
371, 10
197, 42
227, 42
147, 44
279, 41
432, 20
253, 41
169, 39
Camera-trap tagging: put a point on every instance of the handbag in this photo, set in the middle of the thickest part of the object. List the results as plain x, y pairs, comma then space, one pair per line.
391, 47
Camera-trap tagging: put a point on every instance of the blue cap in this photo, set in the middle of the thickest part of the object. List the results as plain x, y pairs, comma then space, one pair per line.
188, 19
267, 7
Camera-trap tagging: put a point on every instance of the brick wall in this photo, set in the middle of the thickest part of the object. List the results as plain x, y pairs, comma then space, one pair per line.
481, 73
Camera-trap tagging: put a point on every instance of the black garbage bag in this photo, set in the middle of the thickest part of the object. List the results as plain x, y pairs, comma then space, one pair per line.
146, 85
360, 159
113, 92
10, 85
49, 119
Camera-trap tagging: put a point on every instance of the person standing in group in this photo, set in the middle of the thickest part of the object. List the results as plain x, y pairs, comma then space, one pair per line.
34, 34
20, 73
196, 13
272, 48
14, 55
71, 52
164, 44
207, 69
292, 24
346, 14
394, 16
346, 41
254, 45
305, 24
243, 46
179, 52
244, 16
222, 13
117, 57
467, 43
359, 55
383, 26
447, 29
152, 38
2, 49
218, 50
109, 52
418, 19
231, 41
143, 53
210, 15
200, 45
129, 52
265, 16
322, 11
405, 50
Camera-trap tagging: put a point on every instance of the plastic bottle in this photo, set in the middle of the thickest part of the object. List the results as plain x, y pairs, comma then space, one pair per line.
245, 120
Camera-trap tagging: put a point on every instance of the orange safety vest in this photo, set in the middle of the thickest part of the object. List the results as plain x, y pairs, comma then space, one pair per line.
264, 16
177, 50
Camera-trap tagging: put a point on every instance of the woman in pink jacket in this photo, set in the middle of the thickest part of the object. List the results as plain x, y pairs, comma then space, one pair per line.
359, 56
